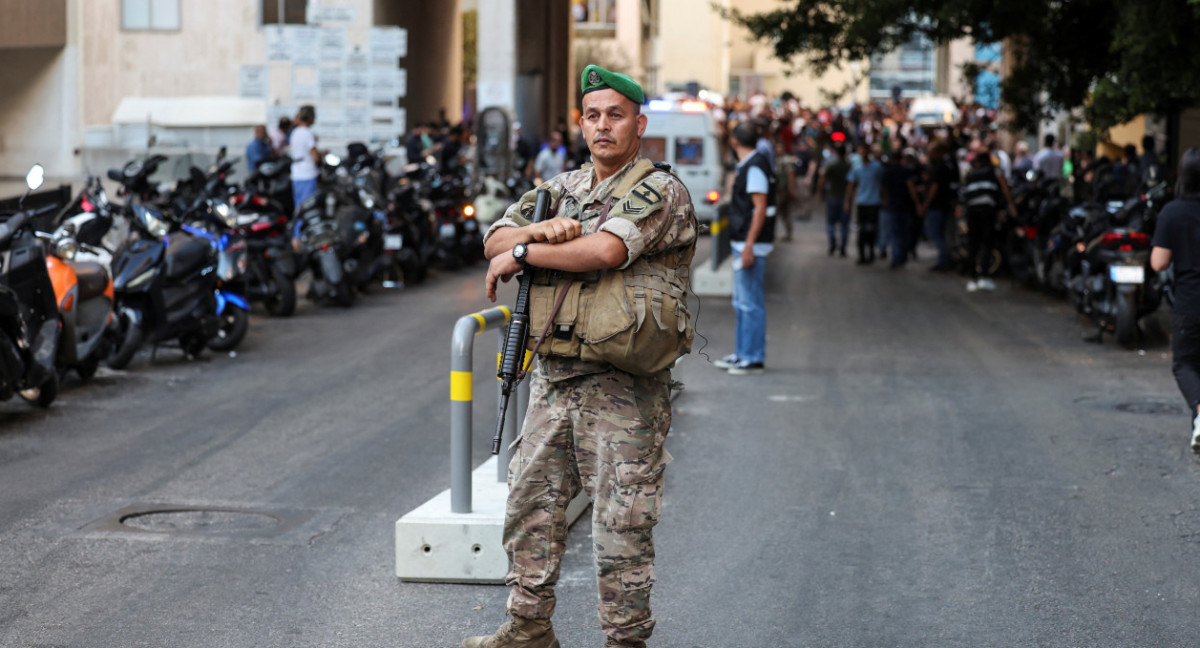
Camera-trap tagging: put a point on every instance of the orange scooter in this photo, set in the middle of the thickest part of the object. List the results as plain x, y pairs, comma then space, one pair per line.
84, 292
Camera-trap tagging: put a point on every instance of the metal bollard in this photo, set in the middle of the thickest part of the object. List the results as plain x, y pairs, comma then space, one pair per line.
462, 397
719, 232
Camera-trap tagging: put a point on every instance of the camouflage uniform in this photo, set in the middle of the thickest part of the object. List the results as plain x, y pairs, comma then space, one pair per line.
594, 427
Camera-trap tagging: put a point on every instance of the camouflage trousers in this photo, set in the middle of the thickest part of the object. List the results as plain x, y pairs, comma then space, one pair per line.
602, 433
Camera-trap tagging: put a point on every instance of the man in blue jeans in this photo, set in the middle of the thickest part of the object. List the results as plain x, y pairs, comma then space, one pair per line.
831, 188
940, 193
752, 219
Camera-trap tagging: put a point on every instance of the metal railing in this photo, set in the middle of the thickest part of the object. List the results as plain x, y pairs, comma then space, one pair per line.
462, 378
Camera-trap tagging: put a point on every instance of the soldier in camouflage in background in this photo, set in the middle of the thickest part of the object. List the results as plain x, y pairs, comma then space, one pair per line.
590, 425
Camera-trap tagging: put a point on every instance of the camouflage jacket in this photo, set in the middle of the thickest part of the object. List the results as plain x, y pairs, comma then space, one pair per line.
655, 218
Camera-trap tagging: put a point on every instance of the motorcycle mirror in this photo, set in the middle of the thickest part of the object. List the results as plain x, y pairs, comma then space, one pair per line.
332, 160
35, 177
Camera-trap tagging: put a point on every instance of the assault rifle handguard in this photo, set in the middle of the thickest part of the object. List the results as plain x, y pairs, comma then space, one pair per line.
512, 357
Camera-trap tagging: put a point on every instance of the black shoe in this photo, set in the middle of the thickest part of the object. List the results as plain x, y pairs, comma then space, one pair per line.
842, 251
832, 249
861, 262
746, 368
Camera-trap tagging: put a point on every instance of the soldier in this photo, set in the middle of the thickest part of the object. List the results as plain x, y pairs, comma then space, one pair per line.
591, 425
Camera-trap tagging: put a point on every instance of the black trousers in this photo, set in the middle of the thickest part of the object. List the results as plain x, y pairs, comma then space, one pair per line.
868, 225
981, 233
1185, 347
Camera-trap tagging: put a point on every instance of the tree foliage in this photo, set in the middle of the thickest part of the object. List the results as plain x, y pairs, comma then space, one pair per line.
1115, 58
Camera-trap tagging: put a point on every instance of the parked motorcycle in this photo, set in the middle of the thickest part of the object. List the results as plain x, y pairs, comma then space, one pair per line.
252, 237
84, 292
167, 288
1107, 276
29, 318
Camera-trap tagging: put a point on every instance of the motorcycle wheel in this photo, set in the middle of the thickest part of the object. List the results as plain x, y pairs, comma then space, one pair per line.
232, 329
43, 395
283, 302
87, 368
129, 342
1126, 321
344, 295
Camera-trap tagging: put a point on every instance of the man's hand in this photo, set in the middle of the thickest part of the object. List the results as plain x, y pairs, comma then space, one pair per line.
502, 268
748, 256
556, 230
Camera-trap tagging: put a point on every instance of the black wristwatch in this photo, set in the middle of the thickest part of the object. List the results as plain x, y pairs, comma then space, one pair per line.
520, 252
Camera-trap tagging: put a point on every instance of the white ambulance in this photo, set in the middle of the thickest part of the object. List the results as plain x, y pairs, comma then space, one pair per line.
684, 135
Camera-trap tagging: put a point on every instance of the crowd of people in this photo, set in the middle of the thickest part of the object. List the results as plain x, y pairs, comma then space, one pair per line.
873, 170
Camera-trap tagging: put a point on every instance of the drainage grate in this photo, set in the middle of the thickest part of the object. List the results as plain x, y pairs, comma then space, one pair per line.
1151, 407
207, 521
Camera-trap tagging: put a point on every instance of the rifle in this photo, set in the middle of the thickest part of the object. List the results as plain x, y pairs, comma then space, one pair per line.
512, 357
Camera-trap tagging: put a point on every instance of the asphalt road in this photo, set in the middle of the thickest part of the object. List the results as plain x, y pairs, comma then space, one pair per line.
919, 467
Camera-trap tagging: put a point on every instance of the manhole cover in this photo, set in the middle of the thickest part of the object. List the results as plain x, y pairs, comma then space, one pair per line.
201, 521
1153, 408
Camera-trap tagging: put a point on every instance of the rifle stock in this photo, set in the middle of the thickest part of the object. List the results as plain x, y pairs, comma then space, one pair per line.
512, 356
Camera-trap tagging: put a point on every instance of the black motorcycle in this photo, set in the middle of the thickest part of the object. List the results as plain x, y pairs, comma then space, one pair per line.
167, 288
1107, 272
29, 318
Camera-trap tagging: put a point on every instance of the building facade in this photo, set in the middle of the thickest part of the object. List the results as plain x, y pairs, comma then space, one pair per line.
86, 81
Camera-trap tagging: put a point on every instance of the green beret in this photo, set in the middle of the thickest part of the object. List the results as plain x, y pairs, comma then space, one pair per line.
597, 78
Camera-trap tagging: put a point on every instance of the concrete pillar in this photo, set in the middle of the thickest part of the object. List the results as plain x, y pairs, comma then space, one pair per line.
525, 61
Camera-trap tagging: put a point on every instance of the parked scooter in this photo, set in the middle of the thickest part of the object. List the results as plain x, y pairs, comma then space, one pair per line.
29, 319
84, 292
1106, 270
167, 288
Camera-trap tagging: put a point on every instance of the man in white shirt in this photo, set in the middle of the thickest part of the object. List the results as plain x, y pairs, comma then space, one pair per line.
1049, 160
302, 147
552, 159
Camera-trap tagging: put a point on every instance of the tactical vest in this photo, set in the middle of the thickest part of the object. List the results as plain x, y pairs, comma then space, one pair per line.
635, 319
741, 205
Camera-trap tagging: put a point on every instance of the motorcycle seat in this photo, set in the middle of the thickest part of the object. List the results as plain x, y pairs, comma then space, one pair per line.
185, 254
93, 279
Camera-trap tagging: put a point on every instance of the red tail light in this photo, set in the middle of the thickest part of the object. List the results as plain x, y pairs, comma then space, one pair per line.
87, 204
1127, 241
260, 226
713, 196
260, 201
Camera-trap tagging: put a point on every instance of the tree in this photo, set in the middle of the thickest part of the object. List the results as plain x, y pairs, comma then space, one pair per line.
1115, 58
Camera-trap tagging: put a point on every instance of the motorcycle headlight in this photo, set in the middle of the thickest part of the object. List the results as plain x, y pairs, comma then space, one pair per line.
365, 197
226, 213
154, 223
66, 248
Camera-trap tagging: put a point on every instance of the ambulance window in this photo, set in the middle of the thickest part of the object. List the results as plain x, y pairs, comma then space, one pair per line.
689, 151
654, 149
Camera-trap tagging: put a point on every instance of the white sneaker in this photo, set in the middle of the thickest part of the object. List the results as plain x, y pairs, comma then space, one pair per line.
1196, 435
986, 284
726, 362
972, 286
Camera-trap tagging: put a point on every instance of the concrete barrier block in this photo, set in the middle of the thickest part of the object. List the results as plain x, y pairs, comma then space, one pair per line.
435, 545
707, 282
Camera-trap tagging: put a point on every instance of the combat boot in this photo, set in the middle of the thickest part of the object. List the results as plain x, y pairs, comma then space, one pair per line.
517, 632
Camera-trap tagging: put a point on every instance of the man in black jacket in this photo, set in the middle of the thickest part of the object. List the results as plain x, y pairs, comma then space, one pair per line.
752, 218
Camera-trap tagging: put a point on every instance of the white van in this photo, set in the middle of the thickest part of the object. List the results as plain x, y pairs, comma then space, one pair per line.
684, 135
